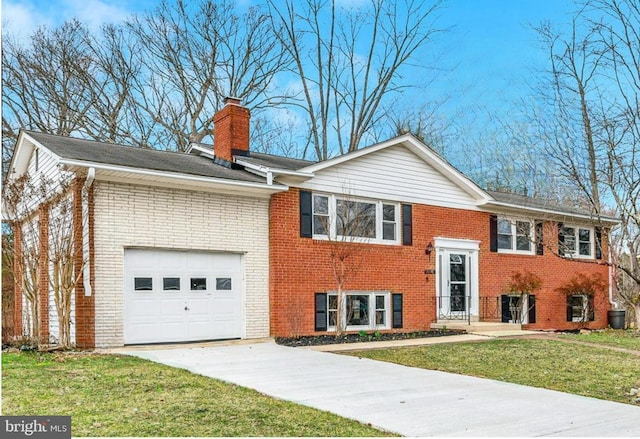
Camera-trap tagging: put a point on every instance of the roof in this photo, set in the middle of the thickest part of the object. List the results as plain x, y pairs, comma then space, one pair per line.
89, 151
71, 148
517, 200
278, 162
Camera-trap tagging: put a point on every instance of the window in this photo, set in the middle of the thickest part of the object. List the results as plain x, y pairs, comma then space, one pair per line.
198, 283
320, 215
514, 236
580, 308
576, 242
389, 225
143, 284
223, 283
369, 221
171, 283
355, 219
363, 310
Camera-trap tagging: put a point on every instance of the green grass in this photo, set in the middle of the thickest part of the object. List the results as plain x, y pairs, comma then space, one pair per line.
567, 367
619, 338
109, 395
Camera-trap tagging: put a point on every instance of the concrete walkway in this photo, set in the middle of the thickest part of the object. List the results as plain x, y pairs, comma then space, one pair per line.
404, 400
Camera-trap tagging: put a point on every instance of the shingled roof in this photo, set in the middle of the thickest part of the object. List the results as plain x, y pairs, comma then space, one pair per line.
90, 151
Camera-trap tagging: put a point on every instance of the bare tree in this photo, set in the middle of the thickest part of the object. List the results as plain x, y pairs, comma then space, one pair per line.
45, 86
349, 62
191, 55
44, 249
594, 131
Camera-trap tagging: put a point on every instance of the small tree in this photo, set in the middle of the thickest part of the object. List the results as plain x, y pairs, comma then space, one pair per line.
522, 284
353, 224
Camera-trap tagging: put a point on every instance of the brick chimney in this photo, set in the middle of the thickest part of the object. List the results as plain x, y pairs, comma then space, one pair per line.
231, 130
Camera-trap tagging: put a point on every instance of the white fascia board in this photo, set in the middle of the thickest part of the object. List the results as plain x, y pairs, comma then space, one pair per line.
197, 149
422, 151
515, 208
175, 176
264, 170
22, 155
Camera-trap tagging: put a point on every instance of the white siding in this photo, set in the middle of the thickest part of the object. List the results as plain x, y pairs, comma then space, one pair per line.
394, 174
143, 216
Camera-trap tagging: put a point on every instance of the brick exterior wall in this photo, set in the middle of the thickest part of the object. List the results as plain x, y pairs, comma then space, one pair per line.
85, 305
152, 217
300, 267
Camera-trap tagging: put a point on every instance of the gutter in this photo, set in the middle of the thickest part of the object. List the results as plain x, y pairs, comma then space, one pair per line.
165, 174
86, 248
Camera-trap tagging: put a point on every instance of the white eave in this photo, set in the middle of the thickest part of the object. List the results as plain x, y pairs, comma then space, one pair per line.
271, 173
516, 209
164, 178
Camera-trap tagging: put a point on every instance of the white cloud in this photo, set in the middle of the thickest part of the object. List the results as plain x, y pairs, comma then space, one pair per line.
22, 17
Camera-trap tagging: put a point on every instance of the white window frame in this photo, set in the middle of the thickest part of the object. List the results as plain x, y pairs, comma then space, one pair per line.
576, 236
514, 236
332, 200
372, 326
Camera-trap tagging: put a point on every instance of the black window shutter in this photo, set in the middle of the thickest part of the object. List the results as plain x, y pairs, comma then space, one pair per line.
598, 242
561, 240
504, 308
396, 318
493, 233
539, 239
569, 310
321, 312
532, 308
591, 312
407, 225
306, 215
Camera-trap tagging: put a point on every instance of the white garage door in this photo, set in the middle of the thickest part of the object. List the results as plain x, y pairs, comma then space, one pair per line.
175, 296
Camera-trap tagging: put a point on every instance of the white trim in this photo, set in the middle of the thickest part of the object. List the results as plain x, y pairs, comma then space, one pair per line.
332, 200
197, 149
514, 235
173, 175
592, 241
264, 170
372, 310
457, 244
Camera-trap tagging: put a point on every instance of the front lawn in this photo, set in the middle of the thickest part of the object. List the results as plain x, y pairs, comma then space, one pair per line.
567, 367
109, 395
622, 339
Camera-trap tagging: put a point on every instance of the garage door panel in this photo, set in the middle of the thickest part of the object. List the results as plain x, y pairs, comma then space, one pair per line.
194, 310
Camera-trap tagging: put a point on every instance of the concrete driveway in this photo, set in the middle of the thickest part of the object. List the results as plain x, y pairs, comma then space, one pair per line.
404, 400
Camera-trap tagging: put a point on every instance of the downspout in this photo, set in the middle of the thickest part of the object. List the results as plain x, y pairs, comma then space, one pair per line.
611, 301
86, 253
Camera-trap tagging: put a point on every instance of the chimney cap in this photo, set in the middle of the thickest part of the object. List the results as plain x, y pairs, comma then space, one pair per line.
232, 100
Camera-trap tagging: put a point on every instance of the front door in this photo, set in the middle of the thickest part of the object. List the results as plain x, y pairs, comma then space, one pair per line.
458, 284
457, 281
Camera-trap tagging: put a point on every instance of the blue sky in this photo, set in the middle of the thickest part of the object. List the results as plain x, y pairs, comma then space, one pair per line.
487, 55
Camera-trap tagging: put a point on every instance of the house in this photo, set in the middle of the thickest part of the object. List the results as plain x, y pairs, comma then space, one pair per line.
223, 242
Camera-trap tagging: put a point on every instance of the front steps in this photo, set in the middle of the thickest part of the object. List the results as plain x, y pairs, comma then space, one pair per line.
483, 328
